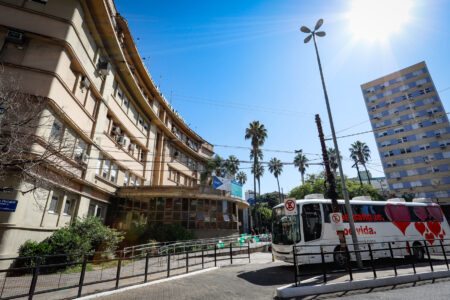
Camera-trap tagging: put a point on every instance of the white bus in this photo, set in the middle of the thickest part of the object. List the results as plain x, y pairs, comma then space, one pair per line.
402, 224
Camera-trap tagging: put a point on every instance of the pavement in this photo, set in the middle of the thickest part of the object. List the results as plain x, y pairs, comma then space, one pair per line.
257, 280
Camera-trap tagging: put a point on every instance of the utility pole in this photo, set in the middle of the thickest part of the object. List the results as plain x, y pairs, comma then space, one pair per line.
331, 182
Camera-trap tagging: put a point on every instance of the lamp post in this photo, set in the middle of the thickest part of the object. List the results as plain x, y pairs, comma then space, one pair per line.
312, 35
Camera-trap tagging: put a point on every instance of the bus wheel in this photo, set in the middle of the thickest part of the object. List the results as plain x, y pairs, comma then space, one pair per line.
417, 251
340, 257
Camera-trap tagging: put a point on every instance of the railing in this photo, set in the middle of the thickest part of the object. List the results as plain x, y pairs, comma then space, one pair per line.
88, 275
378, 257
187, 245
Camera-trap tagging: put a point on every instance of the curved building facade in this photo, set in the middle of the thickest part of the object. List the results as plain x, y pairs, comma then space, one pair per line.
131, 155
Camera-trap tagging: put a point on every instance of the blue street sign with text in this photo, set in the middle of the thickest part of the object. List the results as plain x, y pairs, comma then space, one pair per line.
8, 205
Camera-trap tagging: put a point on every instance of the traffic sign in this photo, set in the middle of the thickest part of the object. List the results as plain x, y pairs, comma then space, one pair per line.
336, 221
290, 207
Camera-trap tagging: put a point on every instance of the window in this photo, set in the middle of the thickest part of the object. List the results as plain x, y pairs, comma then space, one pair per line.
113, 175
397, 185
412, 172
53, 207
68, 207
397, 213
416, 183
126, 178
312, 221
57, 129
105, 169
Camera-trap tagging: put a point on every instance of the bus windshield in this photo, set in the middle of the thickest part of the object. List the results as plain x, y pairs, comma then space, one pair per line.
285, 229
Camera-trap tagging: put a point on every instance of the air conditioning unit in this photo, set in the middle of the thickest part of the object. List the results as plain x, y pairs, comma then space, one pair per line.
85, 83
125, 141
15, 37
84, 158
104, 66
131, 147
116, 130
120, 139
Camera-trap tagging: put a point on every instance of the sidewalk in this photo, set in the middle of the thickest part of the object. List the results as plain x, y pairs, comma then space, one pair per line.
364, 279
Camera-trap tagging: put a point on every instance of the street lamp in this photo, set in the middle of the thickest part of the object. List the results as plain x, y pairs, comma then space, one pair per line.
312, 35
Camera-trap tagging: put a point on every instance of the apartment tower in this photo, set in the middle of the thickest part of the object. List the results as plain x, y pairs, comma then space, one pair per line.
412, 132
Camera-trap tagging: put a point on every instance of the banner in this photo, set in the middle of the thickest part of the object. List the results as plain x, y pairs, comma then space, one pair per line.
220, 183
236, 189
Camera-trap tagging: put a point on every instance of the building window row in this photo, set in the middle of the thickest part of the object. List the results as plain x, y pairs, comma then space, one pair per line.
407, 96
117, 133
185, 139
109, 170
185, 159
130, 109
395, 81
68, 142
181, 179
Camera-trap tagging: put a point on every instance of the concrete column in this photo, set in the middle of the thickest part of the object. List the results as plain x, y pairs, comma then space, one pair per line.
61, 208
44, 213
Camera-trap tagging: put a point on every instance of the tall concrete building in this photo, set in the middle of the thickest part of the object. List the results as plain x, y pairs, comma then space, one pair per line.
130, 159
412, 132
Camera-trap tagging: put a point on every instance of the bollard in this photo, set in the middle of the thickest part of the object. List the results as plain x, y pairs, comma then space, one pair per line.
248, 250
203, 258
349, 264
231, 252
33, 281
187, 262
324, 268
168, 264
215, 255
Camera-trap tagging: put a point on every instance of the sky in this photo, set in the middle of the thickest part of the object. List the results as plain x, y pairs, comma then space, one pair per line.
224, 64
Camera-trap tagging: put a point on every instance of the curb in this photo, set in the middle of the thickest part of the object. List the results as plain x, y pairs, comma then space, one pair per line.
107, 293
290, 291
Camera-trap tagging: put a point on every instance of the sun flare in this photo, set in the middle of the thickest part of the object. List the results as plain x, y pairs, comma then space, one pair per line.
378, 20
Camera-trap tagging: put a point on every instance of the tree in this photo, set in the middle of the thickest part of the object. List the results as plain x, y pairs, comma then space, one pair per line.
259, 153
301, 162
315, 184
360, 153
33, 154
258, 174
241, 177
257, 133
276, 167
214, 165
231, 165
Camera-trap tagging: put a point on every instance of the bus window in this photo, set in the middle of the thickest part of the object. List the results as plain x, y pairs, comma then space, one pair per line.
368, 213
435, 213
327, 210
312, 221
397, 213
285, 229
420, 213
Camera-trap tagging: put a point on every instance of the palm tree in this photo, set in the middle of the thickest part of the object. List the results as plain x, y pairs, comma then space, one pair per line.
259, 153
258, 174
231, 165
218, 165
241, 177
257, 133
276, 167
360, 153
301, 162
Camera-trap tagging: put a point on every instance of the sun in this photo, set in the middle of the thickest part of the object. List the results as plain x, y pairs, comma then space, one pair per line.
378, 20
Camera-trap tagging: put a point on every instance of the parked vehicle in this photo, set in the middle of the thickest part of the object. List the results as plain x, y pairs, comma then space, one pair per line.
408, 225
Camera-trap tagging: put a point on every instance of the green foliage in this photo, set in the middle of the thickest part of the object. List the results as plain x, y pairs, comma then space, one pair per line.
262, 216
271, 199
70, 243
315, 184
141, 234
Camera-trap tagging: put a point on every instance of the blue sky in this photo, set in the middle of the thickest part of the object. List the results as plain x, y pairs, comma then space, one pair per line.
223, 64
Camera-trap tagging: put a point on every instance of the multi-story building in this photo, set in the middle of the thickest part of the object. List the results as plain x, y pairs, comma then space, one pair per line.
133, 159
412, 132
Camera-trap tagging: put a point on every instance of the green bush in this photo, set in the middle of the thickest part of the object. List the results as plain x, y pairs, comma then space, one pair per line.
147, 233
69, 244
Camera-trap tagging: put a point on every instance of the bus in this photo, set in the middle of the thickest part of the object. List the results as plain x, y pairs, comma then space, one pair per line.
407, 225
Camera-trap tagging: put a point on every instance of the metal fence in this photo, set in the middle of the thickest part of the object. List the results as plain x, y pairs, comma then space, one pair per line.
387, 257
71, 278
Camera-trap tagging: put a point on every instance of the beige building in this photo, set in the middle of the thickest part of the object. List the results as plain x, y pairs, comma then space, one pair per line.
130, 150
412, 131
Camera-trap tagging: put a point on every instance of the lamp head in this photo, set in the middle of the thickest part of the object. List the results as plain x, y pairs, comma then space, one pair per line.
305, 29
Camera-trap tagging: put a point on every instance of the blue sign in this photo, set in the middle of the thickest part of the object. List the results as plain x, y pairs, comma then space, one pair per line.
216, 182
8, 205
236, 189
